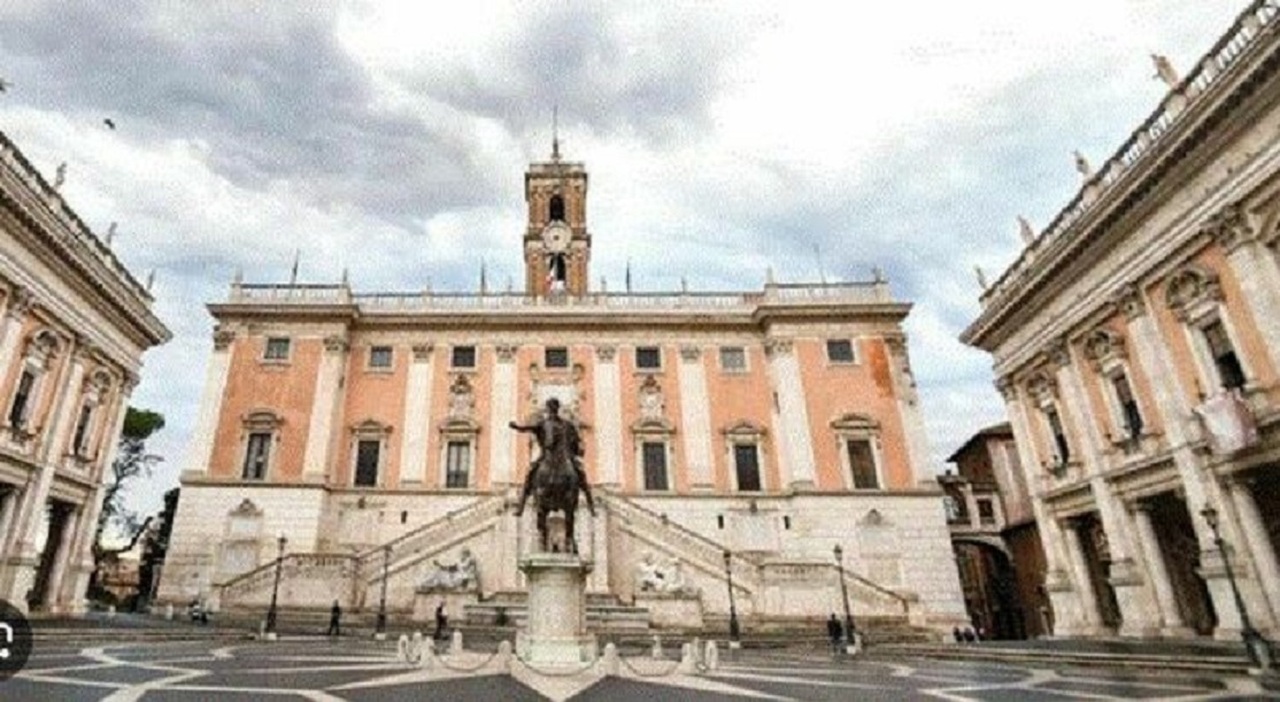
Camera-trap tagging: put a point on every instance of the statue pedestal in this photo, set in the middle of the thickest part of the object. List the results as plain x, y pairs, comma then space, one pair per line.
556, 631
425, 601
672, 610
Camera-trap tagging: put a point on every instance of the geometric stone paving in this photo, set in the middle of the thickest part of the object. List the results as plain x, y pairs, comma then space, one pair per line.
325, 671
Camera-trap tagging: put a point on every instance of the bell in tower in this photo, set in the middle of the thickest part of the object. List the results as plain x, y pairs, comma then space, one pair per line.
557, 246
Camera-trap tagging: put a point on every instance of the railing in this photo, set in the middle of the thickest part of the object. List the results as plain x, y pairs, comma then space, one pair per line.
432, 533
876, 292
263, 576
856, 580
689, 542
1251, 24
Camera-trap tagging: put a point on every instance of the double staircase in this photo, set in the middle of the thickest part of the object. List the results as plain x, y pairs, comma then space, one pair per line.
310, 582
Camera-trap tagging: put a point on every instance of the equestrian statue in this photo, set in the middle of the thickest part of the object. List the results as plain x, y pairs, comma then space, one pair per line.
556, 476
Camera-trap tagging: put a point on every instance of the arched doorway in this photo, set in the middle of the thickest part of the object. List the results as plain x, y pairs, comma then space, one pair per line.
990, 589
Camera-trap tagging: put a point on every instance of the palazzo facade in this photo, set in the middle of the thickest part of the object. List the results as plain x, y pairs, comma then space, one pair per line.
73, 327
1137, 345
364, 436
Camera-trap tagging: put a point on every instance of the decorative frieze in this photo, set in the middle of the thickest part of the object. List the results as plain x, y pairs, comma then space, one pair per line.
1058, 353
1007, 389
1230, 227
21, 300
1128, 300
222, 338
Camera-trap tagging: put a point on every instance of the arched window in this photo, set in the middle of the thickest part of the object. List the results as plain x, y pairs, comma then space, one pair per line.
555, 213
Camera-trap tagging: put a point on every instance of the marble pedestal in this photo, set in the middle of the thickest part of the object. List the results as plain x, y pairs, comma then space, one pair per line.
556, 630
672, 610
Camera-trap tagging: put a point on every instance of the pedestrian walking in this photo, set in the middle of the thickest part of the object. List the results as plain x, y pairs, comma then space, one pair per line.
335, 620
442, 622
835, 632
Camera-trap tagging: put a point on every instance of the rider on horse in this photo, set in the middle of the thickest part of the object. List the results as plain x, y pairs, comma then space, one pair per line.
549, 431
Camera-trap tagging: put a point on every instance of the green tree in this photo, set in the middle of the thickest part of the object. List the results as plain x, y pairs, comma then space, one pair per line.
132, 461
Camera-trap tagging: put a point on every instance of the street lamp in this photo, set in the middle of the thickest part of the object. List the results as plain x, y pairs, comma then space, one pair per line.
735, 634
1257, 647
850, 633
275, 589
380, 630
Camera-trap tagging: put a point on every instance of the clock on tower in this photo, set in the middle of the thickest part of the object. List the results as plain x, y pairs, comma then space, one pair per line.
557, 246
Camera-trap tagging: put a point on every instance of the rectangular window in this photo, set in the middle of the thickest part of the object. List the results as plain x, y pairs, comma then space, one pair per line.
21, 397
1230, 372
367, 463
81, 438
557, 357
1128, 405
862, 464
648, 358
746, 461
458, 465
654, 455
257, 452
277, 349
986, 511
733, 359
840, 351
1059, 435
380, 357
464, 357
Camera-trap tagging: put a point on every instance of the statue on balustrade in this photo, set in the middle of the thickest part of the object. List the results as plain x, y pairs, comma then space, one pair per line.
458, 577
669, 579
556, 476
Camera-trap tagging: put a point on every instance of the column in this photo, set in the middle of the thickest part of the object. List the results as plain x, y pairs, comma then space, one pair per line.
19, 303
206, 425
1173, 624
608, 403
695, 416
502, 410
324, 410
1256, 271
1080, 579
909, 411
88, 524
1257, 544
63, 559
417, 416
791, 413
1063, 595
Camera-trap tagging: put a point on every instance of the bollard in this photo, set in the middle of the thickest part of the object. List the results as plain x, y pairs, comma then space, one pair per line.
111, 610
168, 611
455, 644
610, 659
712, 658
656, 651
402, 649
697, 648
504, 656
688, 666
428, 657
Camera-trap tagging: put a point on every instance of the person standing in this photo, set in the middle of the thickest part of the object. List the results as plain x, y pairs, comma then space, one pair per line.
442, 622
835, 632
335, 620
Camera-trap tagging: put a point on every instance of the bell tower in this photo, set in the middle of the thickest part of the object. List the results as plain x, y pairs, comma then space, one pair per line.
557, 246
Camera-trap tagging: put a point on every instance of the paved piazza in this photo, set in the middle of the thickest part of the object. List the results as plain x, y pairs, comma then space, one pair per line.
361, 670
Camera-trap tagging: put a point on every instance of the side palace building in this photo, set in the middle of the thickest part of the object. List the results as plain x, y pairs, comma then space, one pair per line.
1137, 345
365, 437
73, 327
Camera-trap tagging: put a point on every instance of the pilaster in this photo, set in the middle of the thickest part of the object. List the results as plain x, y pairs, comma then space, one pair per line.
1257, 543
791, 413
1256, 270
608, 405
324, 410
417, 415
200, 452
695, 414
1153, 554
907, 399
18, 304
502, 409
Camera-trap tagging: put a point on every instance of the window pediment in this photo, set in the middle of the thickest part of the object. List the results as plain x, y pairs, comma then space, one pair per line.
371, 429
743, 429
261, 420
854, 423
458, 426
1191, 288
653, 425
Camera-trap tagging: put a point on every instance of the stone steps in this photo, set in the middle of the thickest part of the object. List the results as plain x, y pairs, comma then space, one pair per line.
605, 614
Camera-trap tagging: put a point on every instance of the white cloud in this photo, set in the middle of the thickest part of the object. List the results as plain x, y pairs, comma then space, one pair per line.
389, 138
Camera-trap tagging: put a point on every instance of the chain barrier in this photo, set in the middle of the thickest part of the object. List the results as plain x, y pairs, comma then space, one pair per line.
556, 673
468, 669
670, 671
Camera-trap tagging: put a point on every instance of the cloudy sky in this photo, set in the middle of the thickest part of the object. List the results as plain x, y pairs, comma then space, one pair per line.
390, 138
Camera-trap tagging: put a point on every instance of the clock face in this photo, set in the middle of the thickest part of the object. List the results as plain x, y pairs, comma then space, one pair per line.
556, 236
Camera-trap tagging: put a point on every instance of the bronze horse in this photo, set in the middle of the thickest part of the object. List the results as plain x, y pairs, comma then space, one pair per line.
556, 477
